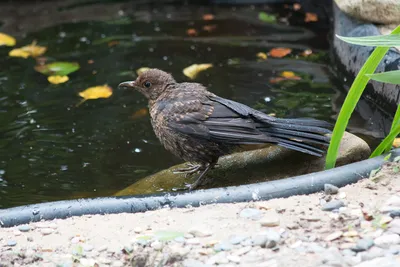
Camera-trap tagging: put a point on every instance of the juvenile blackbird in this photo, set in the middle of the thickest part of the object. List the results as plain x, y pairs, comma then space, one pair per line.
199, 126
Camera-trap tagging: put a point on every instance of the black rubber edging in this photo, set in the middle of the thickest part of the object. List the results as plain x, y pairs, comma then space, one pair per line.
299, 185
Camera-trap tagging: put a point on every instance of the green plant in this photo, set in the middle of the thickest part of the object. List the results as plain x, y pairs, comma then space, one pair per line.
382, 44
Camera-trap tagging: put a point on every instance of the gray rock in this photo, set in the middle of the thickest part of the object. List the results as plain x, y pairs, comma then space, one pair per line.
24, 228
268, 239
380, 262
46, 231
394, 249
333, 205
117, 264
386, 240
223, 246
236, 239
363, 245
194, 263
11, 243
332, 257
372, 253
330, 189
314, 248
157, 245
249, 213
87, 247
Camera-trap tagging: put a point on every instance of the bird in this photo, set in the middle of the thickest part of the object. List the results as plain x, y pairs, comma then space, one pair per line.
199, 126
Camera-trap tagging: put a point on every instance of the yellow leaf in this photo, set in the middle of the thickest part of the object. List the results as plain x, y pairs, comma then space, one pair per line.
195, 69
262, 55
101, 91
18, 53
141, 70
288, 74
56, 79
7, 40
396, 142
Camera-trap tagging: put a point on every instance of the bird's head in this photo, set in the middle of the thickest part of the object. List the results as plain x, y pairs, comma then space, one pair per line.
150, 83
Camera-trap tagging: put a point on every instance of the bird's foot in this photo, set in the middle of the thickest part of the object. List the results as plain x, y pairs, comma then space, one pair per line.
190, 169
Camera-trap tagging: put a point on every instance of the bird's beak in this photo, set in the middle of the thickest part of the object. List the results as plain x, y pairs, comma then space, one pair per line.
127, 85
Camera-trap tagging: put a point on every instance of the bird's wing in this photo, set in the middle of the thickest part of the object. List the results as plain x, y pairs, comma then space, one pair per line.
211, 120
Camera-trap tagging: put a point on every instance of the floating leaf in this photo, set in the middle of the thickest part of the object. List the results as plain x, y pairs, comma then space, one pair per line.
7, 40
266, 17
262, 55
57, 79
208, 17
396, 142
311, 17
167, 235
191, 32
58, 68
296, 6
18, 53
101, 91
386, 77
141, 70
195, 69
289, 75
279, 52
209, 28
306, 52
140, 113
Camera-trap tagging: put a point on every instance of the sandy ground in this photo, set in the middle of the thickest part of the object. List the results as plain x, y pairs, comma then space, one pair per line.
280, 232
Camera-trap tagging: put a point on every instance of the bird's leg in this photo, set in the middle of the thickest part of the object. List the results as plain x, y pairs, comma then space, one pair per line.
202, 176
191, 168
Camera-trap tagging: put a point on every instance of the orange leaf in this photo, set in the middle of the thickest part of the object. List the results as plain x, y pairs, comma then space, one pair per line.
396, 142
311, 17
279, 52
140, 113
191, 32
209, 28
296, 6
208, 17
276, 80
262, 55
113, 43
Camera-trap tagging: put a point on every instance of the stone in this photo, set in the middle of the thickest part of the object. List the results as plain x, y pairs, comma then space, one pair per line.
193, 241
87, 262
117, 264
243, 250
249, 213
87, 247
180, 239
333, 205
330, 189
11, 243
376, 11
386, 240
137, 230
233, 258
332, 257
268, 239
270, 219
372, 253
223, 246
24, 228
363, 245
157, 245
380, 262
194, 263
333, 236
236, 239
197, 232
46, 231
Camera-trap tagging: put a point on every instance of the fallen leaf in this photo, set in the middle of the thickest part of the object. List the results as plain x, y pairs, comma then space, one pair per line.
90, 61
7, 40
140, 113
306, 52
285, 75
266, 17
18, 53
191, 32
101, 91
209, 28
396, 142
208, 17
56, 79
276, 80
141, 70
195, 69
311, 17
296, 6
288, 74
58, 68
262, 55
113, 43
279, 52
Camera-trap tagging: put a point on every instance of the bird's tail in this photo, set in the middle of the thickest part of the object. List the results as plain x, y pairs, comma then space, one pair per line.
304, 135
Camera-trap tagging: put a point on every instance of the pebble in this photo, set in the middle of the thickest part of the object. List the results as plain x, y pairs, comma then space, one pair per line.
386, 240
333, 205
11, 243
342, 195
270, 219
193, 241
372, 253
188, 236
223, 246
75, 240
87, 262
200, 232
363, 245
236, 239
157, 245
330, 189
24, 228
194, 263
268, 239
249, 213
102, 248
46, 231
243, 250
180, 239
137, 230
381, 262
117, 264
87, 247
333, 236
292, 226
233, 258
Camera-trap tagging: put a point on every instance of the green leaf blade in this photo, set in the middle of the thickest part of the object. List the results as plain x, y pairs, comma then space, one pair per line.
265, 17
378, 40
386, 77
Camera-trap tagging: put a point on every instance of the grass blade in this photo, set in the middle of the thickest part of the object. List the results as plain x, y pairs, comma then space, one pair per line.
395, 123
386, 77
378, 40
352, 98
388, 141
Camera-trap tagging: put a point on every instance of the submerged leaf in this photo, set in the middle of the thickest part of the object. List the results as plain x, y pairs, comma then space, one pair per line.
58, 68
18, 53
101, 91
7, 40
262, 55
208, 17
140, 113
31, 50
141, 70
311, 17
279, 52
195, 69
266, 17
191, 32
57, 79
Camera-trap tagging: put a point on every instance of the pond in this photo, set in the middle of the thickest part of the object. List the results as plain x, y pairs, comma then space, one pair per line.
51, 149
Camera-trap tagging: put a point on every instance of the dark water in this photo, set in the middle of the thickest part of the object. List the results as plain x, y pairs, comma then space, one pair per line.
50, 149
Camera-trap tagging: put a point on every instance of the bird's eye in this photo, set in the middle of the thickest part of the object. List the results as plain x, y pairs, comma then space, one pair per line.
147, 84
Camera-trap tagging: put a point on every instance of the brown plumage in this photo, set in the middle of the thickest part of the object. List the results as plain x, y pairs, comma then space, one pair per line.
199, 127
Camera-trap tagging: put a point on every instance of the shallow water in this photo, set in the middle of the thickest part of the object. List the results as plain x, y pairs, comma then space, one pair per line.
51, 150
